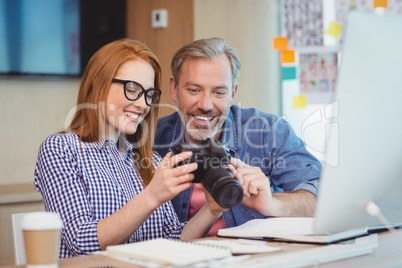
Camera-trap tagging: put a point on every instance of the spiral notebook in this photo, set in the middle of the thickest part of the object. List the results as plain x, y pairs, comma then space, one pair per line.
169, 252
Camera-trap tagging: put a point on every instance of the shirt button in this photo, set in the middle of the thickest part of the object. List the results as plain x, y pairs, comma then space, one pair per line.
183, 205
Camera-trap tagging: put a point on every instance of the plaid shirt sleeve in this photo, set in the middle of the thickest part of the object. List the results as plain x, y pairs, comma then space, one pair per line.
87, 182
172, 227
57, 178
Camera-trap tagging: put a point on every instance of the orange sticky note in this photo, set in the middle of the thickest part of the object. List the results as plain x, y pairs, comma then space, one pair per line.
334, 29
300, 101
280, 43
380, 3
287, 56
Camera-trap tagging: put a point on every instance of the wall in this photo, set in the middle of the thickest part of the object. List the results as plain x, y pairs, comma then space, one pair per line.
31, 109
165, 41
248, 26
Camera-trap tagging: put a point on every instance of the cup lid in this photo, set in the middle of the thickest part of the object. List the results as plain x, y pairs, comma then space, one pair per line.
41, 221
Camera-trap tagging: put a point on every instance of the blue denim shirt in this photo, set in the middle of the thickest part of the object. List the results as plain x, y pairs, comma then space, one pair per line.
258, 139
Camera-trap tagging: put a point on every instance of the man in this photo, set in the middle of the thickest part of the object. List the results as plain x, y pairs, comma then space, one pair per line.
265, 151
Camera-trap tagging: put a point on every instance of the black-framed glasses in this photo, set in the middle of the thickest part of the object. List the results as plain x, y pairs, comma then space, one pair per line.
133, 91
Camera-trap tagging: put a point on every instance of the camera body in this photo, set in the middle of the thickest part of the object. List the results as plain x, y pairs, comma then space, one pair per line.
212, 159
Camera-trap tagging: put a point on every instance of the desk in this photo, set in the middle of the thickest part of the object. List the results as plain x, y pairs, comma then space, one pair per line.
388, 254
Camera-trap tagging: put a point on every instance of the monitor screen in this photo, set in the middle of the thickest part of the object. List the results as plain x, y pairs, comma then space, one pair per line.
367, 140
40, 37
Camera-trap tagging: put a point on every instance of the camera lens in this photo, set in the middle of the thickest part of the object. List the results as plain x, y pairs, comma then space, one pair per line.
223, 187
228, 193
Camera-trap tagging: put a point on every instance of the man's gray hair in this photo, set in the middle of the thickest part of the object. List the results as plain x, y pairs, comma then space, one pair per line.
206, 48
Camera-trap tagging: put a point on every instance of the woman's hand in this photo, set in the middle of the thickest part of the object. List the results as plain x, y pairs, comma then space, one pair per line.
214, 207
168, 181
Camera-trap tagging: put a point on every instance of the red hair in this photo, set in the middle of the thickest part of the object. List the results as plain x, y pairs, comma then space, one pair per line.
94, 89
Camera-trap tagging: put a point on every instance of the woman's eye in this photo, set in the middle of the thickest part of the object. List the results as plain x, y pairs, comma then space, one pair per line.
133, 91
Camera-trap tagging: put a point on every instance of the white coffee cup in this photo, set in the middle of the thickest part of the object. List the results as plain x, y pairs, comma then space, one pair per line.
41, 231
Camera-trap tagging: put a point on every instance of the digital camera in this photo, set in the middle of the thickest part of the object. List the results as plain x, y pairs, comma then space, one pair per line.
212, 159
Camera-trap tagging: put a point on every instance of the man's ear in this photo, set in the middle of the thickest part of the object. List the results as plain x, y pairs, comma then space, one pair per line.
234, 94
173, 89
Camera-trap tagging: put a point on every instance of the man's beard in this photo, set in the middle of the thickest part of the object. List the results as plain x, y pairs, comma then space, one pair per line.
201, 133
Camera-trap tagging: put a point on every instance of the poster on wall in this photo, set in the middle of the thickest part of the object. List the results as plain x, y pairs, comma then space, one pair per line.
302, 22
317, 73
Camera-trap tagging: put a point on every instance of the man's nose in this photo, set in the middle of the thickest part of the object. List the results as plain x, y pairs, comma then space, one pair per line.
205, 102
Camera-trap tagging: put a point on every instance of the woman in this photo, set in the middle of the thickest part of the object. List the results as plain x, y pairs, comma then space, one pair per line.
101, 174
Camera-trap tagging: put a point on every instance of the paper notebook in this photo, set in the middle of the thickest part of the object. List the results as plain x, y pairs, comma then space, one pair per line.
292, 229
169, 252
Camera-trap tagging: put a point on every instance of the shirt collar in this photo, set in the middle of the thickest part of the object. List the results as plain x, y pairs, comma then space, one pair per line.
103, 143
229, 133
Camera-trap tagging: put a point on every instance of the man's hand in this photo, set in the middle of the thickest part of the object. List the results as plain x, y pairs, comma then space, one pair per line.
256, 187
258, 196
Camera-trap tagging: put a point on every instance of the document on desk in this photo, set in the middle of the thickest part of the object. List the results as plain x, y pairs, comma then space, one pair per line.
313, 256
242, 246
292, 229
169, 252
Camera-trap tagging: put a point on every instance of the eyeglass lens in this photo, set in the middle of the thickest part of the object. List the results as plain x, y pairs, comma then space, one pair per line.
134, 91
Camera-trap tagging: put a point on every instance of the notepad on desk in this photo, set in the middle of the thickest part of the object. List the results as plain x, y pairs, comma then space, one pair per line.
169, 252
292, 229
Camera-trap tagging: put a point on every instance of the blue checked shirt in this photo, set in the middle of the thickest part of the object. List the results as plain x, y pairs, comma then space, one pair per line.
89, 185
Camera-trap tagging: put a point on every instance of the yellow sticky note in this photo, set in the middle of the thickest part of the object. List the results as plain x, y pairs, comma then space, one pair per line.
334, 29
300, 101
280, 43
287, 56
380, 3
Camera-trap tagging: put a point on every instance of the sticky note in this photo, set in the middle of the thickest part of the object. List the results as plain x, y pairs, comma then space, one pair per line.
380, 3
300, 101
334, 29
280, 43
287, 56
288, 73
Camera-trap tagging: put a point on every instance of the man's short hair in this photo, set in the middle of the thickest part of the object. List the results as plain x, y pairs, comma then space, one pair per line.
206, 48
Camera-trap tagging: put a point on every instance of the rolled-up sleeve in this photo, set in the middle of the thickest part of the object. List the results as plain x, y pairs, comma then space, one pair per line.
57, 178
293, 167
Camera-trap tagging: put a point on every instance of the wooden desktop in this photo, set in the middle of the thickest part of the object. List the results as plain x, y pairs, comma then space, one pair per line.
387, 254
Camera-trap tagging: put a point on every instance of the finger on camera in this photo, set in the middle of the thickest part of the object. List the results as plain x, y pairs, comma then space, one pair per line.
185, 169
238, 177
177, 158
232, 169
186, 178
237, 163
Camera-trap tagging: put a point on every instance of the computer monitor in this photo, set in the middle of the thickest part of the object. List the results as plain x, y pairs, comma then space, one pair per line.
369, 134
